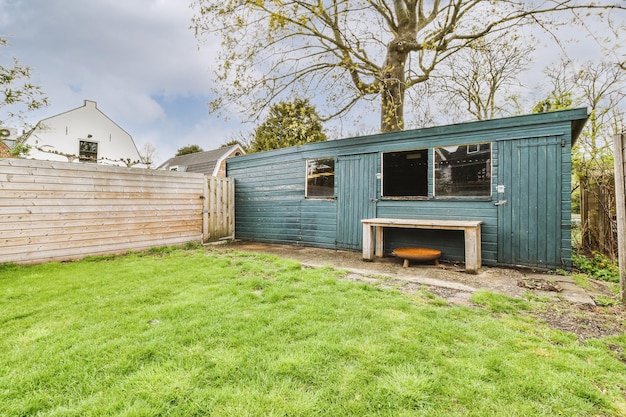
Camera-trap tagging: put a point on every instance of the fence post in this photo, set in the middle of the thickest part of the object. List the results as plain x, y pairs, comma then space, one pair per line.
205, 211
231, 208
620, 196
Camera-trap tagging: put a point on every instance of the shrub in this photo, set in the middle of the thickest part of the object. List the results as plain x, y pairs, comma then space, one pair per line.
597, 266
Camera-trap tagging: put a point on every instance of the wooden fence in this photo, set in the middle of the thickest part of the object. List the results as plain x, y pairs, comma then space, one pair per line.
57, 211
597, 212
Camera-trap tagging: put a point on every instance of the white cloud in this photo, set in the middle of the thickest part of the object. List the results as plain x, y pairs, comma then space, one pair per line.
140, 62
128, 56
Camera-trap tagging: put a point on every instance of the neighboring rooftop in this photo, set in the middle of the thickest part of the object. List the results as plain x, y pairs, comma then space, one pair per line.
4, 150
208, 162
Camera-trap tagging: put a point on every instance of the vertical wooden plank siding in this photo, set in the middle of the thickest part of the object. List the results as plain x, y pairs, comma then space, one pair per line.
56, 211
620, 198
220, 209
505, 213
531, 222
566, 201
356, 183
272, 207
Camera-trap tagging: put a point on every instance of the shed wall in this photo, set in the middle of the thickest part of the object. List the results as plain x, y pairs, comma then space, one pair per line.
271, 204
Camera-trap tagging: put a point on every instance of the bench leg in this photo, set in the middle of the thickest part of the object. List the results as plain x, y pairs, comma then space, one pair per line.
406, 263
379, 251
472, 250
368, 243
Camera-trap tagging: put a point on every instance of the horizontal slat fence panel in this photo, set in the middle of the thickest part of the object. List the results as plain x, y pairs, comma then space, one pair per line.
57, 211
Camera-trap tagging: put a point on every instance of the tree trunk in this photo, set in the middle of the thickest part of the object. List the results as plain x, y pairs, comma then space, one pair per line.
393, 87
392, 95
392, 106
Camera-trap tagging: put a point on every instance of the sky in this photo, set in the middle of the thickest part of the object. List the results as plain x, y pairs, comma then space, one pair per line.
140, 62
137, 59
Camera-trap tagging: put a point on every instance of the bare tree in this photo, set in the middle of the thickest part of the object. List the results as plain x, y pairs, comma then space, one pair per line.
242, 138
562, 88
602, 90
479, 81
351, 50
599, 87
148, 154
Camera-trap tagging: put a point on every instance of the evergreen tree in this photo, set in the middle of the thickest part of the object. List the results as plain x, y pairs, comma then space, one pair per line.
185, 150
289, 124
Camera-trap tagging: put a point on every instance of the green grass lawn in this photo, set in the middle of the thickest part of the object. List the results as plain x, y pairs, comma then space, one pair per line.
222, 333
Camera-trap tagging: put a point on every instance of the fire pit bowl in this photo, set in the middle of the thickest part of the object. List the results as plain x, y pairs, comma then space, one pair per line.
417, 255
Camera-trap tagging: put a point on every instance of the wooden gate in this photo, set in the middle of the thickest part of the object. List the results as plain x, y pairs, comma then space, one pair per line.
218, 218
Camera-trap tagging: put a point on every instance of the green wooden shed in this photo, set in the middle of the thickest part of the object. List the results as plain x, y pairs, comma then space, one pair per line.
512, 174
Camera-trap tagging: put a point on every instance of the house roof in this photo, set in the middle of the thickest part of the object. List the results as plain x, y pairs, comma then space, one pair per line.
203, 162
4, 150
87, 104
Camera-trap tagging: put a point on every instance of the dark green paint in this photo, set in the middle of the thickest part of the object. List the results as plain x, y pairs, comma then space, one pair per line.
531, 157
356, 196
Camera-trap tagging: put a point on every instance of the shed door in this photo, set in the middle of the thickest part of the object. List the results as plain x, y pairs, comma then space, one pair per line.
356, 197
529, 211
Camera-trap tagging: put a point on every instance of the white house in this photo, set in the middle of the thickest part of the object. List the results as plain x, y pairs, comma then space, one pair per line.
84, 134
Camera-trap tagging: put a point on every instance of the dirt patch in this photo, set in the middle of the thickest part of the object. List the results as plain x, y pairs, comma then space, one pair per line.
583, 320
565, 306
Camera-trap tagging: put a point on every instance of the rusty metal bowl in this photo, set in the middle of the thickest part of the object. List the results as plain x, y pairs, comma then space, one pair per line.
417, 255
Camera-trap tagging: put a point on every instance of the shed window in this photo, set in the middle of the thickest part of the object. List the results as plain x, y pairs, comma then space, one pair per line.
463, 171
405, 173
320, 178
87, 151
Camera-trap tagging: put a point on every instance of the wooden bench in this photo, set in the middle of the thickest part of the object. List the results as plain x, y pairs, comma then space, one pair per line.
374, 228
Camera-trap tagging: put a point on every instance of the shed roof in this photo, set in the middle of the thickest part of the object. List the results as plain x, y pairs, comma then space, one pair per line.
574, 118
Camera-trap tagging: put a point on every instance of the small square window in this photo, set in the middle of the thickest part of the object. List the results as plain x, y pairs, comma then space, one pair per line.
463, 171
87, 151
320, 178
405, 173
